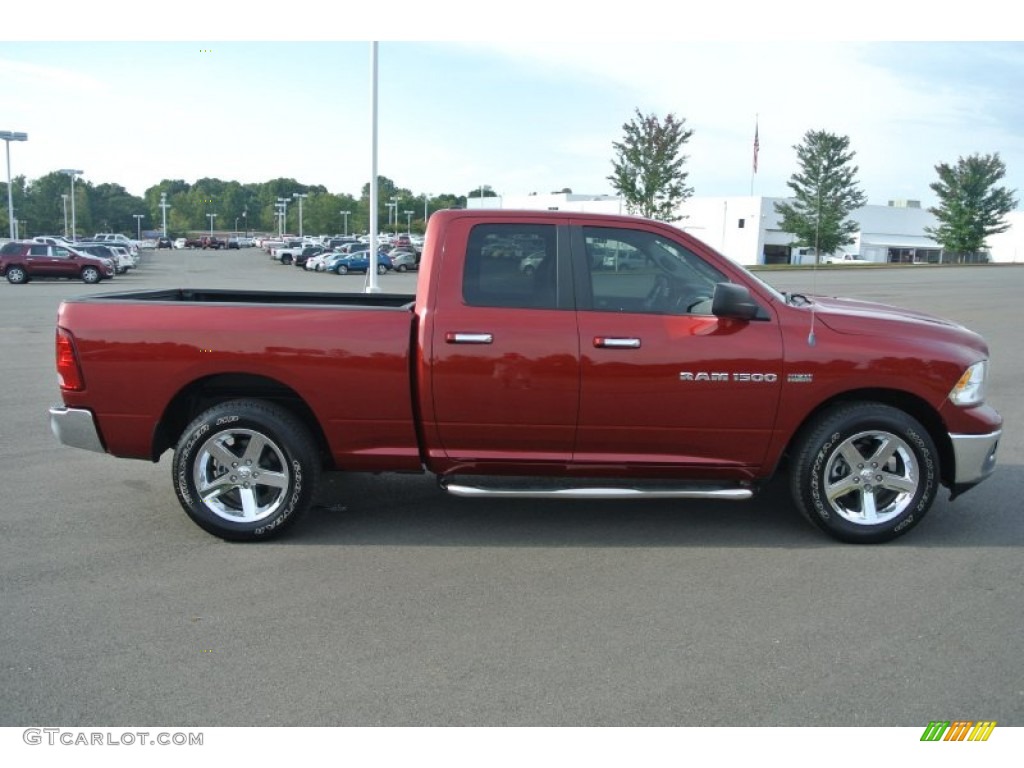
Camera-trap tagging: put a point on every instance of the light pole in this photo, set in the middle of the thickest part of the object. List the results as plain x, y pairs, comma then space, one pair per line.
64, 197
283, 202
426, 198
345, 214
391, 208
211, 217
8, 137
394, 204
163, 207
408, 222
138, 225
72, 173
245, 221
300, 198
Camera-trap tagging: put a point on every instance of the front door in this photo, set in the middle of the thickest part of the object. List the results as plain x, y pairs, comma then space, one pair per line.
663, 381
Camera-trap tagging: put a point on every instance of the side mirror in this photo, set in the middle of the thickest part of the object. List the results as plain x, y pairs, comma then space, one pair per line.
734, 301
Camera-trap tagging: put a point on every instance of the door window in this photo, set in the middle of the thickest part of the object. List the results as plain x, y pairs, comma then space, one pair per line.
639, 271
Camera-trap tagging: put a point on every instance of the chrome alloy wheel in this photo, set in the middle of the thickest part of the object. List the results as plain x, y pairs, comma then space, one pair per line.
871, 478
241, 475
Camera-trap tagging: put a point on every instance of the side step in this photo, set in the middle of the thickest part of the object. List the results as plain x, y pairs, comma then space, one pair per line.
559, 488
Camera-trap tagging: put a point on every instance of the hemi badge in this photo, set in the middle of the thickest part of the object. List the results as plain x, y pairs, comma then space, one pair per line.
800, 378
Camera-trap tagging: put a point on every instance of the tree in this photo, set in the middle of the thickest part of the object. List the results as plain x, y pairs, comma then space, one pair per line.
648, 169
970, 206
826, 192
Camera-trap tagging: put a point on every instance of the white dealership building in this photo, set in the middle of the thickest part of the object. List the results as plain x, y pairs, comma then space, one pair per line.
746, 229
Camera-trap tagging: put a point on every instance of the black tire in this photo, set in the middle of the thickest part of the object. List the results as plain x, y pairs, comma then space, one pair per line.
864, 472
342, 269
401, 268
91, 275
16, 275
286, 259
256, 464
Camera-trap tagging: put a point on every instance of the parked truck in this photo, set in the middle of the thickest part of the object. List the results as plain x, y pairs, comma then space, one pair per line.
683, 377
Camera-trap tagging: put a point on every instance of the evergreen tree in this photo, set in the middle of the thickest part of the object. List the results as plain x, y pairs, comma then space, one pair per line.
970, 206
825, 191
648, 168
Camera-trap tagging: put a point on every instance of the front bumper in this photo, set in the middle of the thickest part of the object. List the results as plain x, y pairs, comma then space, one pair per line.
975, 457
76, 427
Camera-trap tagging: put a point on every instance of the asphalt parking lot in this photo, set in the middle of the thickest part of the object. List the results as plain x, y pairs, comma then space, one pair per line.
394, 604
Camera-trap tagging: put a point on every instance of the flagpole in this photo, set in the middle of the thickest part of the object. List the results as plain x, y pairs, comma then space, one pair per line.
757, 146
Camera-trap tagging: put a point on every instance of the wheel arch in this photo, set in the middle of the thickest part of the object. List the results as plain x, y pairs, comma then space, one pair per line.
207, 392
909, 403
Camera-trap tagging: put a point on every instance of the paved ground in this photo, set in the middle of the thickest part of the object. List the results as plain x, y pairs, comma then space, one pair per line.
393, 604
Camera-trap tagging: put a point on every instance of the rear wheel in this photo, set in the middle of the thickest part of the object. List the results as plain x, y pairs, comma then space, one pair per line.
382, 269
865, 472
245, 470
342, 269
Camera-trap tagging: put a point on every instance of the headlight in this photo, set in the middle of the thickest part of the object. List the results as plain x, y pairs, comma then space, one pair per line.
970, 389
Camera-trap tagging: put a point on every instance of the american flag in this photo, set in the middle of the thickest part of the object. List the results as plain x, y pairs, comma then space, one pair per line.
757, 146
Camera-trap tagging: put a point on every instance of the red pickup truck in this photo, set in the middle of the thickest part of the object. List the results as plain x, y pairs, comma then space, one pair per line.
544, 354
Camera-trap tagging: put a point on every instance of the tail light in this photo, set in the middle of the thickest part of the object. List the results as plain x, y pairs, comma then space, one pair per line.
69, 373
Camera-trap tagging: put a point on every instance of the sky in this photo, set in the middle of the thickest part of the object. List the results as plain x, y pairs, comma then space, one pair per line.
505, 97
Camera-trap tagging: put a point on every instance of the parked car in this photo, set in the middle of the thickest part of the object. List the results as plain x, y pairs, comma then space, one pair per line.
306, 253
164, 242
24, 261
358, 262
180, 243
117, 256
404, 260
233, 242
316, 263
115, 238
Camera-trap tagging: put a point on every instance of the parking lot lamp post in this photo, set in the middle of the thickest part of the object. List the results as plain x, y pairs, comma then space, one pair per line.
64, 197
394, 204
345, 214
391, 207
426, 199
138, 224
283, 202
8, 137
72, 173
211, 217
163, 207
245, 221
300, 198
408, 222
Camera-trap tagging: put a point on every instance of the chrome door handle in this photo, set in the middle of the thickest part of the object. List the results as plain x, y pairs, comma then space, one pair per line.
613, 342
468, 338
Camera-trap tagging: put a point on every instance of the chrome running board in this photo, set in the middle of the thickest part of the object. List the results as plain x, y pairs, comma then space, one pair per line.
661, 491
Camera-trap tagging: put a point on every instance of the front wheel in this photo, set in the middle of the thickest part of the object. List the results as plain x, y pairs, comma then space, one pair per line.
245, 470
865, 472
382, 269
90, 275
16, 275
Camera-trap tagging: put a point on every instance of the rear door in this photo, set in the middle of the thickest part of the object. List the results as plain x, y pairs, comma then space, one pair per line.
663, 381
504, 356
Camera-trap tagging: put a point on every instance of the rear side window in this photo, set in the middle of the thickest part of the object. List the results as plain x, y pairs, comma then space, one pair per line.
10, 249
512, 265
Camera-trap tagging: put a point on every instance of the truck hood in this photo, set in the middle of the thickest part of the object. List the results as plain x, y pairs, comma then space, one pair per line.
866, 318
